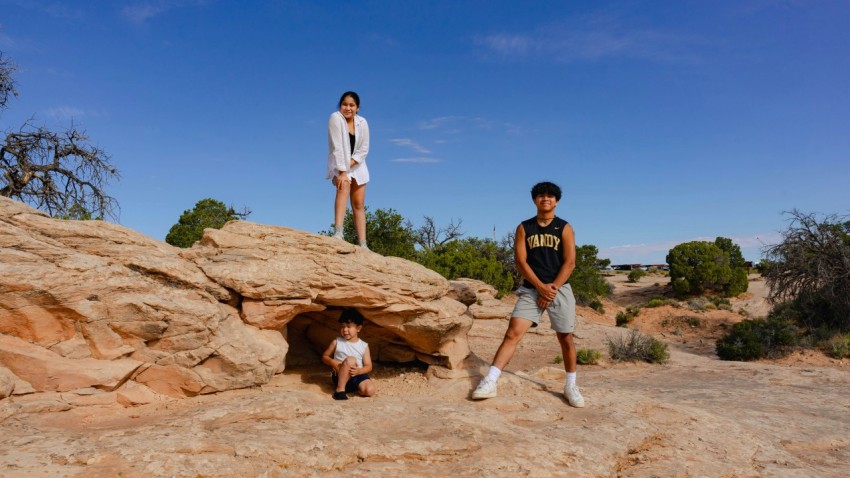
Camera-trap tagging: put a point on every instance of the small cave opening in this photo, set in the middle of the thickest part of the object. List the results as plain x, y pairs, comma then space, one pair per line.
309, 334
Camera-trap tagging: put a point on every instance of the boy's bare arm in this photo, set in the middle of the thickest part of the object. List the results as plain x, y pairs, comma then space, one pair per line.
328, 357
367, 362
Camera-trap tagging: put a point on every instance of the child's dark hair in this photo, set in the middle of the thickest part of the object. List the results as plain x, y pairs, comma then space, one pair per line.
351, 315
354, 96
546, 188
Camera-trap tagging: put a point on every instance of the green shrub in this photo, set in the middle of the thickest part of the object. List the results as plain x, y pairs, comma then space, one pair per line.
207, 213
558, 359
636, 274
588, 356
700, 304
838, 346
473, 258
596, 305
634, 347
658, 302
753, 339
655, 303
625, 317
721, 302
698, 266
586, 280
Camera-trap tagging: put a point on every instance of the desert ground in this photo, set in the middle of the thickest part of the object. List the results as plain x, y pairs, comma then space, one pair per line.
695, 416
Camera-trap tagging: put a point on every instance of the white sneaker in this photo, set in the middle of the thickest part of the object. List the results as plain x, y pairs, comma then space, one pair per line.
485, 389
338, 235
573, 396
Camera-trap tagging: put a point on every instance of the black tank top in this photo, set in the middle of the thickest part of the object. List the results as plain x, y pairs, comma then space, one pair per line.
545, 254
351, 140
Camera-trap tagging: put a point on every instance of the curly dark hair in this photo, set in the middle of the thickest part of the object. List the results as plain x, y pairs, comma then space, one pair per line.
546, 188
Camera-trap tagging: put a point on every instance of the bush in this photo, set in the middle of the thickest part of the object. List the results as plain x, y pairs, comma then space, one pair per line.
658, 302
636, 274
623, 318
838, 346
596, 305
473, 258
587, 281
588, 356
754, 339
207, 213
697, 304
698, 266
387, 232
634, 347
810, 270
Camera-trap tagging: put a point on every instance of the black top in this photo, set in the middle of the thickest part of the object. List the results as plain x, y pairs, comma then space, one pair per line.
545, 254
351, 140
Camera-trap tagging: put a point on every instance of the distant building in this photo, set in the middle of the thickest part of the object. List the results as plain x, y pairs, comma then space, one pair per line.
625, 267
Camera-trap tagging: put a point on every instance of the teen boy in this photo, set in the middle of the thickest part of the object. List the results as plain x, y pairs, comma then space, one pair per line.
545, 253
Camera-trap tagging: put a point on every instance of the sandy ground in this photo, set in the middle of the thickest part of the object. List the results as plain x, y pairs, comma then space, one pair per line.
694, 416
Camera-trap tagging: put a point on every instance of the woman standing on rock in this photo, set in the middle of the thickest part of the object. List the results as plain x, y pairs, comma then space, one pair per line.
348, 145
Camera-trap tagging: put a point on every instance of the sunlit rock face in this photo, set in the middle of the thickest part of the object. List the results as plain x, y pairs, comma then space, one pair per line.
94, 304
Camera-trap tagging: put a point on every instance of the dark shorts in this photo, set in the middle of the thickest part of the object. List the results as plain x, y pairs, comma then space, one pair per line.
353, 383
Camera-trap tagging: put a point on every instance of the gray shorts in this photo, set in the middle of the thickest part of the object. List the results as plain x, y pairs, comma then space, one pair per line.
562, 310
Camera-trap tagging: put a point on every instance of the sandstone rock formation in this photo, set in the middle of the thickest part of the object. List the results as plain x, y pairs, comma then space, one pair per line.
481, 299
93, 304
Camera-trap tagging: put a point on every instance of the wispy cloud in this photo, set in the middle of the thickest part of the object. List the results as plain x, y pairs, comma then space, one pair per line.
591, 37
435, 123
447, 126
141, 12
71, 113
416, 160
404, 142
416, 147
460, 124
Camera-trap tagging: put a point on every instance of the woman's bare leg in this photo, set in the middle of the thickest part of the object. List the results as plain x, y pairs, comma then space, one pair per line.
358, 207
343, 190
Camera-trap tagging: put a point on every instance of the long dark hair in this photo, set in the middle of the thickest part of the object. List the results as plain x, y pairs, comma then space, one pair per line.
354, 96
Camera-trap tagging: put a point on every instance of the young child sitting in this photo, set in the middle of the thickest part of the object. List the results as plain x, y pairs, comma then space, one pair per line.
349, 358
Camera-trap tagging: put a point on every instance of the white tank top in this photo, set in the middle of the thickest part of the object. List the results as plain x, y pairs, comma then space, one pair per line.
345, 349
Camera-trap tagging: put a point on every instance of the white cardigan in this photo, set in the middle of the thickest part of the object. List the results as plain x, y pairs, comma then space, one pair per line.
339, 148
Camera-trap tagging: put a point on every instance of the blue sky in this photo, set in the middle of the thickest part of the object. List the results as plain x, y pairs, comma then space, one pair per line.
663, 121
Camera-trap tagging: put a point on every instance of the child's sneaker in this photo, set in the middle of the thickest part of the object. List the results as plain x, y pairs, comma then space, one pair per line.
340, 396
573, 396
485, 389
